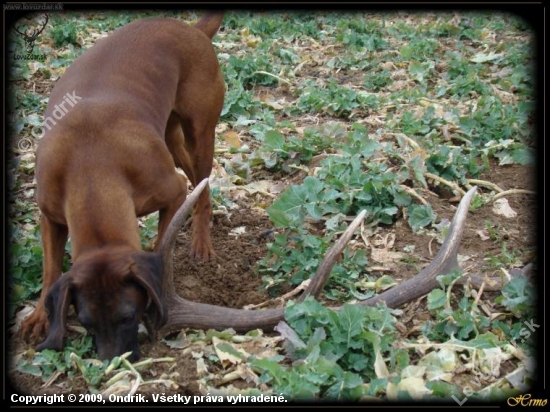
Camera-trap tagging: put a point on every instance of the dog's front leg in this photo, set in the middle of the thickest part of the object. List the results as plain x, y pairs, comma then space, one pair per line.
54, 238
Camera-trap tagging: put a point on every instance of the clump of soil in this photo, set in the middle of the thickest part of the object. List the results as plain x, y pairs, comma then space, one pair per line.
228, 279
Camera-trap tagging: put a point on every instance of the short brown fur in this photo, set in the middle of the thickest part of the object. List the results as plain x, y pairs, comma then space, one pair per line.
147, 100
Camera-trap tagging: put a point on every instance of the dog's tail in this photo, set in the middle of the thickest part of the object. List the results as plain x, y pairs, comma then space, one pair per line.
210, 23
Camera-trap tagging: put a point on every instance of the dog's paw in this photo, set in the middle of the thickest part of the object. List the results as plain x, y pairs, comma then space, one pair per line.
202, 251
35, 327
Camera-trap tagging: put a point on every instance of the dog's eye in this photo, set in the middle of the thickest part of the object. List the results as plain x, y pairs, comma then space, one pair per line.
127, 319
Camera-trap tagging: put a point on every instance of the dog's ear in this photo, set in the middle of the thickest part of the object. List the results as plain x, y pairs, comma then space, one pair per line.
147, 270
57, 305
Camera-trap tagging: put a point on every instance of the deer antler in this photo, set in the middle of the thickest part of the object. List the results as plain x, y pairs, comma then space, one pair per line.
35, 32
184, 313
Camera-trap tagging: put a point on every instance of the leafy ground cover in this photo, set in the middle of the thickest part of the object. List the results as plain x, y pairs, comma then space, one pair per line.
326, 114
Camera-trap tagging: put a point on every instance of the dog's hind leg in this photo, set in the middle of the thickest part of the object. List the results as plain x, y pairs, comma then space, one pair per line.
194, 153
195, 159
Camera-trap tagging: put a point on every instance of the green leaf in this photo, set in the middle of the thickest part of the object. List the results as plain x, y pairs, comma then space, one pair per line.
436, 299
290, 208
275, 371
358, 361
351, 321
523, 156
406, 52
444, 390
483, 341
518, 294
287, 210
417, 71
334, 222
418, 167
313, 187
274, 140
420, 216
348, 381
301, 316
24, 367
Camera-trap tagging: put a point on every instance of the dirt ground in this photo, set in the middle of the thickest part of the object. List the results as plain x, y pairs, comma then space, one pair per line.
229, 279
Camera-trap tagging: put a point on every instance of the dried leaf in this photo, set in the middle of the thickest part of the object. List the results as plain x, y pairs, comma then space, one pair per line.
482, 235
228, 353
380, 367
233, 140
414, 386
502, 207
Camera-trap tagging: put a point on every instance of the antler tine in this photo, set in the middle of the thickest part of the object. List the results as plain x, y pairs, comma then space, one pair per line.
320, 279
22, 33
168, 241
36, 32
444, 262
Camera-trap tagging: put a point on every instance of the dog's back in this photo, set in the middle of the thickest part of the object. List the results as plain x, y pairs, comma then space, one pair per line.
110, 143
106, 76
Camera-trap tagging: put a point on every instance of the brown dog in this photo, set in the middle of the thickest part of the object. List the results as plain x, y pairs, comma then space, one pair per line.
140, 102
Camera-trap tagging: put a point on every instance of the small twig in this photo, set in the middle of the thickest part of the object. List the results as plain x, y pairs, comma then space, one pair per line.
445, 182
150, 361
298, 167
117, 377
302, 286
463, 139
410, 141
514, 192
115, 364
231, 376
137, 382
364, 236
506, 275
379, 269
165, 382
479, 293
52, 379
128, 365
425, 99
80, 365
136, 374
413, 193
465, 148
450, 288
477, 182
273, 75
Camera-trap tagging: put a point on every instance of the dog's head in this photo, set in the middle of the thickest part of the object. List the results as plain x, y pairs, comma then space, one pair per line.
111, 292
